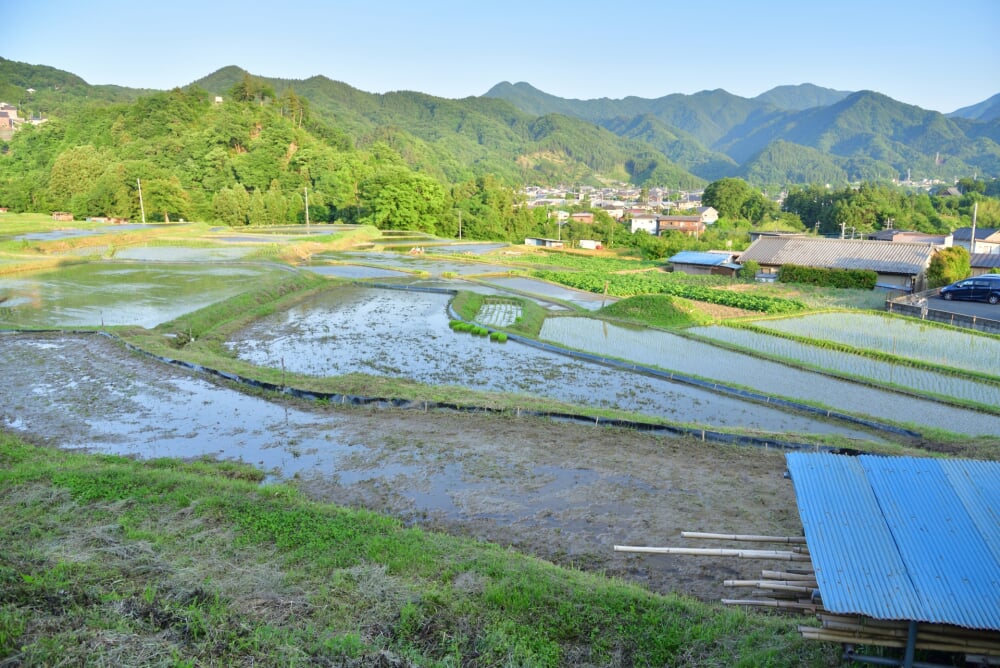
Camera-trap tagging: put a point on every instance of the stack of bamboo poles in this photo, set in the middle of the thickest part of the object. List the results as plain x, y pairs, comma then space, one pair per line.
854, 629
796, 589
792, 588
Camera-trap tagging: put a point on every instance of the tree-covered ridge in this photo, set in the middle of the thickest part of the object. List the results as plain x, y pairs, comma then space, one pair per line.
864, 134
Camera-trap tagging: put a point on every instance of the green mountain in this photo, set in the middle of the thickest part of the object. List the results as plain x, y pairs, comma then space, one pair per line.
987, 110
860, 133
461, 139
516, 134
803, 96
39, 89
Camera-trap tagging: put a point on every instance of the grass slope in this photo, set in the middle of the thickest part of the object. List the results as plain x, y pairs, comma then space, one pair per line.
109, 561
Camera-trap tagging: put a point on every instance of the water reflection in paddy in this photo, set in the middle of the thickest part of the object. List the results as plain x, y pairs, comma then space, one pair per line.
411, 263
405, 335
92, 295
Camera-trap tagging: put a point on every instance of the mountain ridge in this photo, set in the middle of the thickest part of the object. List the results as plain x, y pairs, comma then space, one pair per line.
516, 131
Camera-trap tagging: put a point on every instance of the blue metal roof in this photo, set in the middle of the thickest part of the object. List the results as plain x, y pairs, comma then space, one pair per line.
703, 258
903, 538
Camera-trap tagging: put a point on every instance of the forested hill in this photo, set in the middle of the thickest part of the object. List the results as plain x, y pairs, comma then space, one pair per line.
246, 151
273, 137
861, 135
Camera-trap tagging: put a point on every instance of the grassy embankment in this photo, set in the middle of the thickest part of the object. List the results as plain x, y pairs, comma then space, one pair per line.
108, 561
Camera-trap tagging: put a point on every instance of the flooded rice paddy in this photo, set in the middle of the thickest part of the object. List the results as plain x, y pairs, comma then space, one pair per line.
410, 263
961, 349
676, 353
106, 294
406, 335
565, 492
531, 286
184, 254
917, 380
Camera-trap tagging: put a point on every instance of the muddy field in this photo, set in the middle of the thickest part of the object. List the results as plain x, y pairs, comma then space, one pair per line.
565, 492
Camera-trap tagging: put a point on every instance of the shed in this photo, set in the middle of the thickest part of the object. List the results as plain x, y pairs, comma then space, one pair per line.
704, 262
904, 539
541, 241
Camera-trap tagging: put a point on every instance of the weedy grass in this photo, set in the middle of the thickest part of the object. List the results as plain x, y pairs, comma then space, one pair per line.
107, 560
657, 311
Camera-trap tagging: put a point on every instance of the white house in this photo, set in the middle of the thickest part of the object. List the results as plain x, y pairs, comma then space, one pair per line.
646, 222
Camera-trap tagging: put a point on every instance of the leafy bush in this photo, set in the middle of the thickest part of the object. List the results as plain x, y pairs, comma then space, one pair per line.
854, 279
947, 266
748, 272
627, 285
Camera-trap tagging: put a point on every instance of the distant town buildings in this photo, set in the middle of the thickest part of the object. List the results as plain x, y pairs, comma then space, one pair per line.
10, 120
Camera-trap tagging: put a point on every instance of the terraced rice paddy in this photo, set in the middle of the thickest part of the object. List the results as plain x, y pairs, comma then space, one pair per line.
403, 334
104, 294
961, 349
500, 313
676, 353
914, 379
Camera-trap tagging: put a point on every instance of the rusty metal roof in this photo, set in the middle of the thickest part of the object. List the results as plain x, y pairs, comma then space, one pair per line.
887, 257
903, 538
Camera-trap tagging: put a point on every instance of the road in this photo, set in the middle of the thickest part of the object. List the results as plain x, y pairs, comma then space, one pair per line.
977, 309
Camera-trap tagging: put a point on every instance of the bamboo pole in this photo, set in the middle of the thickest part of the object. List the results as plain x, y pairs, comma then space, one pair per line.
900, 628
789, 575
772, 603
924, 634
777, 585
813, 633
777, 555
744, 537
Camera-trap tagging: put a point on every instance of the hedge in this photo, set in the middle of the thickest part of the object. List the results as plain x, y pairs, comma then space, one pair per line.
856, 279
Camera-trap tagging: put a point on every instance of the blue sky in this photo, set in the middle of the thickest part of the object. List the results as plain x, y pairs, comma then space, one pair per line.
937, 55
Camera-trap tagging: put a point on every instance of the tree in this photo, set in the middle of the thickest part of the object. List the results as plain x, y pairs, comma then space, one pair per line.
232, 205
727, 196
967, 185
74, 173
403, 200
947, 266
749, 270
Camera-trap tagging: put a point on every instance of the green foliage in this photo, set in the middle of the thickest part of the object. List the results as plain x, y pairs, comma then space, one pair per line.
627, 285
656, 311
749, 270
855, 279
947, 266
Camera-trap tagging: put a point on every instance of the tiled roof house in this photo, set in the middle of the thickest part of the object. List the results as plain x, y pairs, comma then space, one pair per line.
899, 265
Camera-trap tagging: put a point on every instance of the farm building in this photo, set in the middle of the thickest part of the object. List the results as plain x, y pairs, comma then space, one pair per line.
905, 551
539, 241
902, 266
898, 552
718, 263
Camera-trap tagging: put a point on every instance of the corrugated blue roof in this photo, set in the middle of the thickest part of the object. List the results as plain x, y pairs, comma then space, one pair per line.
903, 537
701, 258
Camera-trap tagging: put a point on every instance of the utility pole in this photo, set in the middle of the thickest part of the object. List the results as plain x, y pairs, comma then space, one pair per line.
459, 224
306, 191
142, 209
972, 239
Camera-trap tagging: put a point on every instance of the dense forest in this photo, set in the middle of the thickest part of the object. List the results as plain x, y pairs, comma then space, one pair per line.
242, 150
